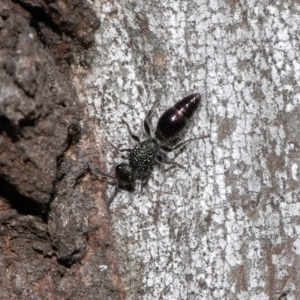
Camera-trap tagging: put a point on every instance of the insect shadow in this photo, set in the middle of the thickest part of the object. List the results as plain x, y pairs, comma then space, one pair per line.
169, 131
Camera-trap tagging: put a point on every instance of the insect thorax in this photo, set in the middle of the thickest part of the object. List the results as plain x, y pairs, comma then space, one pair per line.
143, 155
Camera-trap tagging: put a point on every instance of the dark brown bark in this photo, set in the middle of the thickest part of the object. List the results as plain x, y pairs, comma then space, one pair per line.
48, 189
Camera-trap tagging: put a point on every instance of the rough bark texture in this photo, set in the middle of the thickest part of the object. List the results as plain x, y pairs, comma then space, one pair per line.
51, 206
228, 226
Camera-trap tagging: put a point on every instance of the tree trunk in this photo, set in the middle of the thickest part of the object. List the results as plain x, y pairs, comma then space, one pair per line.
225, 226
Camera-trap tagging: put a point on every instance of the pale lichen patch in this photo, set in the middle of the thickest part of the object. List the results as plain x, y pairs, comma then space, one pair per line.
190, 230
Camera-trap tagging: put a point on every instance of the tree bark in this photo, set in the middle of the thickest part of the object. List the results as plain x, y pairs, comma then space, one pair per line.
51, 216
225, 227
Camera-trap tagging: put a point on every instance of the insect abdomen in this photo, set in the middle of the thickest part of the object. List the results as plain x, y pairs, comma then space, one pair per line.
174, 120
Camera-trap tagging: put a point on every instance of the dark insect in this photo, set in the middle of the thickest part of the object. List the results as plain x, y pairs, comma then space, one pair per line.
169, 130
174, 120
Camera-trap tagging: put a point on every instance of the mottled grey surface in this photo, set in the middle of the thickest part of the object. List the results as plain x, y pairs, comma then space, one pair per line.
227, 227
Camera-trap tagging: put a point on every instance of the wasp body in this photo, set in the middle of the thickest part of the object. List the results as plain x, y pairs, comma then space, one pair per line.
169, 130
174, 120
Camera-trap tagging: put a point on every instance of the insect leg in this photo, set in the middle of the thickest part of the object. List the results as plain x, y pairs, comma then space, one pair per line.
182, 144
135, 137
169, 162
106, 175
146, 124
112, 197
120, 150
125, 150
145, 179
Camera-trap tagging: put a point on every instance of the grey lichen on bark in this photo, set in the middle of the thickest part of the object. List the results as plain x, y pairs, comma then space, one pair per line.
227, 226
